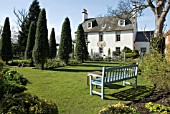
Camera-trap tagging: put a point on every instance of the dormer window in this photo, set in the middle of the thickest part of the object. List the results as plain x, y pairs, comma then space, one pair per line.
89, 24
121, 22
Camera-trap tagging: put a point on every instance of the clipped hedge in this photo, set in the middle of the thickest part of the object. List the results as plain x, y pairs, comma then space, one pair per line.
118, 109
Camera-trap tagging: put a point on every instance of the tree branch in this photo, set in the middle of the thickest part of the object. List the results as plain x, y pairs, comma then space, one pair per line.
151, 5
165, 12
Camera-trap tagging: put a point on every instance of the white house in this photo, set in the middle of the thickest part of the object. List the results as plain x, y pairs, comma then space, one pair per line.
104, 33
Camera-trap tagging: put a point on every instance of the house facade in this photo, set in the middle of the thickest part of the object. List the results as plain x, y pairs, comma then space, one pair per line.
112, 33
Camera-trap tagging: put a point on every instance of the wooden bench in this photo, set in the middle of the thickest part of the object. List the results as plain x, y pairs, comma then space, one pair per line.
113, 74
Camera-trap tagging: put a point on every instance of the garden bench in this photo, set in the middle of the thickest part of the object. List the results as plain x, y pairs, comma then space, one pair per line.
111, 75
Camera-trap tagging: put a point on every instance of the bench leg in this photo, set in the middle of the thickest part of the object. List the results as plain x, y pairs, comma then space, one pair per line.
102, 92
135, 82
124, 83
91, 87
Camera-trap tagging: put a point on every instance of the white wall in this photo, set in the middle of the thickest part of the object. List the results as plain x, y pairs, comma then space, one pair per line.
139, 45
126, 39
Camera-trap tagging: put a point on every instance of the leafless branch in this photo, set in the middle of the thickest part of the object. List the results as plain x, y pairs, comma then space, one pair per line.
21, 16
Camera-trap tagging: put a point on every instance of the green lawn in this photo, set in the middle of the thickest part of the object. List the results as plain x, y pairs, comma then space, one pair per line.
66, 86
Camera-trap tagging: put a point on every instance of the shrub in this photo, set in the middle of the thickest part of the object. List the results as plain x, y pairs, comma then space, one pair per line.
157, 108
156, 69
51, 63
1, 65
20, 63
73, 62
118, 109
24, 103
127, 50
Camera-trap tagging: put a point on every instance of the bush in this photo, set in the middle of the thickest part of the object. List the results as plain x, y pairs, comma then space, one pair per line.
51, 63
157, 108
20, 63
73, 62
127, 50
156, 69
118, 109
24, 103
1, 65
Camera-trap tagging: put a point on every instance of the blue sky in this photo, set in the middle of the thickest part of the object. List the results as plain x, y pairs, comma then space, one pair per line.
58, 10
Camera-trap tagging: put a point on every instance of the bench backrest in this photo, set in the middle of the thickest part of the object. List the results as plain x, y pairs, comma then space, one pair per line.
118, 73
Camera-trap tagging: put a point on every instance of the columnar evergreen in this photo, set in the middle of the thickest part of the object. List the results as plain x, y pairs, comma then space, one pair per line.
33, 14
81, 52
65, 47
41, 47
30, 40
6, 46
52, 44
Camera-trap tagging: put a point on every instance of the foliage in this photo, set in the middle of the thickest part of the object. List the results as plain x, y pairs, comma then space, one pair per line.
127, 50
81, 52
65, 47
6, 46
30, 40
20, 62
33, 14
12, 82
118, 109
156, 69
41, 47
1, 65
52, 63
52, 45
15, 77
157, 108
27, 104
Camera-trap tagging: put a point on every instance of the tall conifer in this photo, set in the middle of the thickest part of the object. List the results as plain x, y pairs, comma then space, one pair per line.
65, 47
41, 47
30, 40
6, 46
81, 52
52, 44
33, 14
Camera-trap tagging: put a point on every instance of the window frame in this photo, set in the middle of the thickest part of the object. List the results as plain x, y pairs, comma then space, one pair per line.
89, 23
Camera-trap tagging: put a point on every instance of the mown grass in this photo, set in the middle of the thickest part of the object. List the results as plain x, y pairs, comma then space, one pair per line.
66, 86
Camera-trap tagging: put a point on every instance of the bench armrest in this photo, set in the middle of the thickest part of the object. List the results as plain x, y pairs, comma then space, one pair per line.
95, 75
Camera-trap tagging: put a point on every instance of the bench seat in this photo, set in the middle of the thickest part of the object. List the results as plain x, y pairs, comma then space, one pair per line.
111, 75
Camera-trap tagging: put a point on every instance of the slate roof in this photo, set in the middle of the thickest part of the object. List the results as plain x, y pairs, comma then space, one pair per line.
144, 36
106, 24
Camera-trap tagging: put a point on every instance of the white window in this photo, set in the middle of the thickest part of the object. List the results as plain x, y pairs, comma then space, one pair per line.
89, 24
143, 49
117, 36
121, 22
100, 37
117, 49
100, 50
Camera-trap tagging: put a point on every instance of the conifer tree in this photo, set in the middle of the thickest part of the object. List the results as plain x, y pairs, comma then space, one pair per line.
33, 14
6, 46
41, 47
52, 45
30, 40
81, 52
65, 47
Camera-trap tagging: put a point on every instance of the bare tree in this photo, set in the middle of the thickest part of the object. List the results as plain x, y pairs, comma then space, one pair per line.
21, 16
160, 8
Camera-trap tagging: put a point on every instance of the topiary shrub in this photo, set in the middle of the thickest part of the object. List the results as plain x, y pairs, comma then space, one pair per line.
118, 109
157, 108
127, 50
24, 103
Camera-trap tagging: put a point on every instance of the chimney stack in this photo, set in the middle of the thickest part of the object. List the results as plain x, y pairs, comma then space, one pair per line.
84, 15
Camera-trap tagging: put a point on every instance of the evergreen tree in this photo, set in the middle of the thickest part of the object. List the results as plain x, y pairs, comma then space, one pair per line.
41, 47
33, 14
30, 40
81, 52
65, 47
52, 44
6, 46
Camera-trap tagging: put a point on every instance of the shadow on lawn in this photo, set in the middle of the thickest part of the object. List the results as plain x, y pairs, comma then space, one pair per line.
72, 70
133, 94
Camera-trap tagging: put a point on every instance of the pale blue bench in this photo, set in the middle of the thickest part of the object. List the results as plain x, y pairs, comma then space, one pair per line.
111, 75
